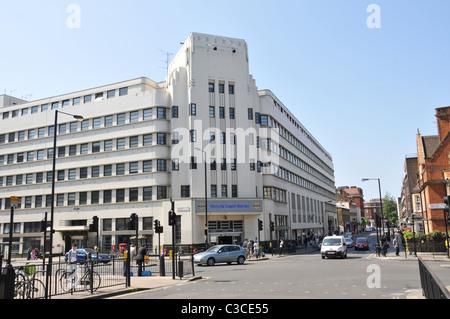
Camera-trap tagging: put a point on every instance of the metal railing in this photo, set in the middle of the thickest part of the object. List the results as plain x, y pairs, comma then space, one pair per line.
30, 279
432, 287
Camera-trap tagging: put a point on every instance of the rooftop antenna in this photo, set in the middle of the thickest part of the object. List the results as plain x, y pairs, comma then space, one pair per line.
167, 60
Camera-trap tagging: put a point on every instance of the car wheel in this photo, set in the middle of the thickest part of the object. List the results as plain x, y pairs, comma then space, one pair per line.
241, 260
323, 257
211, 262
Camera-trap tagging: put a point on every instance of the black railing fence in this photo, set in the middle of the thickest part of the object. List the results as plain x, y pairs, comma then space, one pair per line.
432, 287
29, 281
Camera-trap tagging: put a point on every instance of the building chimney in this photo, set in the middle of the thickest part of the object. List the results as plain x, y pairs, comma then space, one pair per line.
443, 123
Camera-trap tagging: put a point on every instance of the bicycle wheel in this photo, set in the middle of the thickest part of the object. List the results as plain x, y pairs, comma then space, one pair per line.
66, 281
20, 286
96, 281
37, 289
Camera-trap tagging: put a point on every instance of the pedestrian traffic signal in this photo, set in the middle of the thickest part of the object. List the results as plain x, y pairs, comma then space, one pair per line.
132, 223
172, 218
158, 227
44, 226
260, 224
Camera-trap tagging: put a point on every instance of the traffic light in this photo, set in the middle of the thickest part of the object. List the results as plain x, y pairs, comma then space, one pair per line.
260, 224
93, 228
132, 223
44, 225
158, 227
272, 226
172, 218
447, 205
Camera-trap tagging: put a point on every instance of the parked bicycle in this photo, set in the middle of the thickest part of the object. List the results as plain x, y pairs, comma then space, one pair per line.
26, 285
79, 276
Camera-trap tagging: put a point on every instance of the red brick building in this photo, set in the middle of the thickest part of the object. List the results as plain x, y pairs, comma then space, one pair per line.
433, 155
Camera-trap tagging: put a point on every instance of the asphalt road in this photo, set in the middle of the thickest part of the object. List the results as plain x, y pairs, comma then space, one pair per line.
360, 276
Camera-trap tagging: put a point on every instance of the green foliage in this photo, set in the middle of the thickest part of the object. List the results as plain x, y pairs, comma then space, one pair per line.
390, 208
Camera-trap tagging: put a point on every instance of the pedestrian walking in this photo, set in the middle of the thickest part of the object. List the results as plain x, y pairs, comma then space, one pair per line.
396, 245
140, 258
281, 246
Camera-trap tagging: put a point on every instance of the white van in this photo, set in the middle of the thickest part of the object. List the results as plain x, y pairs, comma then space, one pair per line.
333, 246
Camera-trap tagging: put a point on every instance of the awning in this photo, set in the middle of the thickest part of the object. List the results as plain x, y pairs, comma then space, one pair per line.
71, 228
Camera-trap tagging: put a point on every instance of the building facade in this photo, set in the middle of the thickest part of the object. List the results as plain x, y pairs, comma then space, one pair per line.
434, 172
227, 154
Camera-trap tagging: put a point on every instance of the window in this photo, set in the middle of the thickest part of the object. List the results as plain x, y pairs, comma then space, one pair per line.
214, 191
175, 112
134, 116
134, 194
61, 175
147, 193
65, 103
120, 118
211, 87
108, 120
185, 191
212, 113
120, 195
221, 112
95, 171
95, 195
120, 169
60, 200
193, 162
147, 139
73, 127
107, 170
161, 192
84, 148
123, 91
95, 147
193, 109
83, 172
250, 113
85, 125
107, 196
221, 88
72, 174
224, 191
161, 165
87, 98
175, 164
110, 94
55, 105
231, 111
147, 166
264, 120
230, 88
133, 168
71, 199
96, 122
107, 145
99, 96
223, 164
120, 143
161, 139
234, 192
193, 135
134, 141
147, 114
161, 112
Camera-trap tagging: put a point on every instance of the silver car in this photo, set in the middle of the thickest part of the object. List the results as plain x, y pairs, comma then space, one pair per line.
220, 254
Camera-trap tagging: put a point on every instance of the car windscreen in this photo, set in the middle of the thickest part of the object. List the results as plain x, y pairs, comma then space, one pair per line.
361, 240
331, 241
213, 249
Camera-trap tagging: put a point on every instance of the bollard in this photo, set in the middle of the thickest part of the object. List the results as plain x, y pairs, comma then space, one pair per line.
162, 266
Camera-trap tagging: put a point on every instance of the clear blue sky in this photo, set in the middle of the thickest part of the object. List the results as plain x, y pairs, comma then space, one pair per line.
362, 92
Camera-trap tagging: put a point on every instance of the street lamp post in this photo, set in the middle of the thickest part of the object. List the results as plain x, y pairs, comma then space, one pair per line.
382, 214
52, 206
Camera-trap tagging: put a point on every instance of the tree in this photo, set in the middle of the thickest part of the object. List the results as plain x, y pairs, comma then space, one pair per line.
390, 209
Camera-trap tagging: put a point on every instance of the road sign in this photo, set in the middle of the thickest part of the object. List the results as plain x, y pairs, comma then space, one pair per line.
14, 201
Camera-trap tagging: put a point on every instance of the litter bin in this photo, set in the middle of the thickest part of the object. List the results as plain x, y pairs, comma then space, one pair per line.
180, 269
7, 278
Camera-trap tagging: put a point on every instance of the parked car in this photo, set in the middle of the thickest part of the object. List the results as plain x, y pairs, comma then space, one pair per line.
333, 246
370, 228
362, 243
82, 255
220, 254
349, 242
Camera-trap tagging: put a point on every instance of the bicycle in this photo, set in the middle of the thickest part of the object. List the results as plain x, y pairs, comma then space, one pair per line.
26, 287
68, 280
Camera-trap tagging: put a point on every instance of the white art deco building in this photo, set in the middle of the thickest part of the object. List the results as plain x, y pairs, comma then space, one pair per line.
143, 143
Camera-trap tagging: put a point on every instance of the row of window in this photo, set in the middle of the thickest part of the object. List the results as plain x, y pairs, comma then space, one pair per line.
121, 195
86, 148
65, 103
87, 124
86, 172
